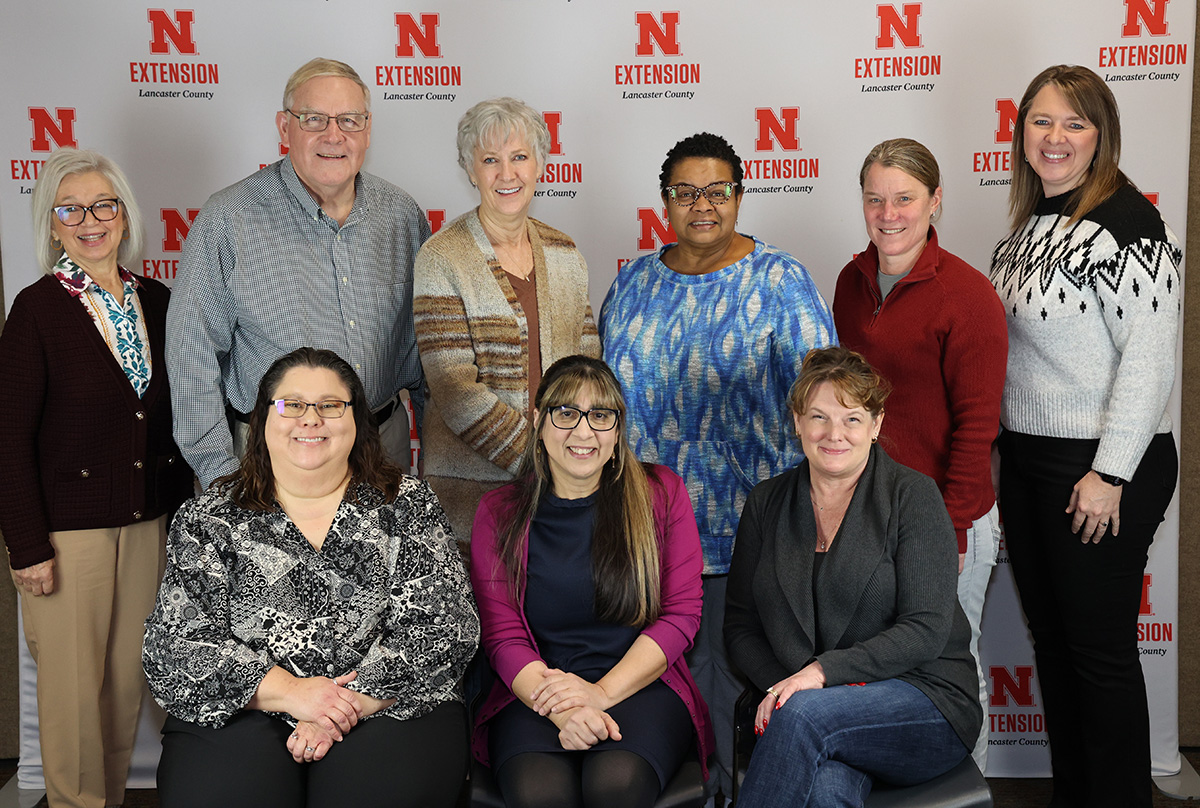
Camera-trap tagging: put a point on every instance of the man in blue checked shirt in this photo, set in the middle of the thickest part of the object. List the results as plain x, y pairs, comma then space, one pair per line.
308, 251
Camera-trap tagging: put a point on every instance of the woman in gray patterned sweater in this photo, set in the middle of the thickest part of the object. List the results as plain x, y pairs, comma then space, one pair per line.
1089, 278
314, 603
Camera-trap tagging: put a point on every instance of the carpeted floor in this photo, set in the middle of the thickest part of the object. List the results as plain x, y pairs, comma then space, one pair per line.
1007, 793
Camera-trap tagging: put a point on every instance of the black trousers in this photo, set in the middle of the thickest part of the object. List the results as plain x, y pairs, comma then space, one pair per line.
381, 762
1081, 602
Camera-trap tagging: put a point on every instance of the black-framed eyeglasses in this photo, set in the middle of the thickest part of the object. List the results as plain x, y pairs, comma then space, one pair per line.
104, 210
684, 195
294, 407
319, 121
600, 419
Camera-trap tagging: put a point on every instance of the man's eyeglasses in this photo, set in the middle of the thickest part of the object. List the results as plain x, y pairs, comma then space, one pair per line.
104, 210
294, 407
600, 419
685, 195
319, 121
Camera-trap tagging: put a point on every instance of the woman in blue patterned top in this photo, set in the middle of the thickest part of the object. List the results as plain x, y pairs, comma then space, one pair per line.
315, 617
706, 336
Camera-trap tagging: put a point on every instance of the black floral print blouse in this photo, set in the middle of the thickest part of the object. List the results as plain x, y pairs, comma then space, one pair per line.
244, 591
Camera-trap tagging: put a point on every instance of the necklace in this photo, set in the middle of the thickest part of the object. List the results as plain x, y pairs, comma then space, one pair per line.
837, 511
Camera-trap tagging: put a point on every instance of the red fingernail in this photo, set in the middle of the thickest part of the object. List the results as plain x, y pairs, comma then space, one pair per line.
777, 705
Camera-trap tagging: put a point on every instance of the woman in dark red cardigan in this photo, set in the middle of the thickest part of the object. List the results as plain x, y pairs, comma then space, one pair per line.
91, 470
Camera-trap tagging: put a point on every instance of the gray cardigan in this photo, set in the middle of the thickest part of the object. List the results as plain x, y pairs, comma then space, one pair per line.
886, 595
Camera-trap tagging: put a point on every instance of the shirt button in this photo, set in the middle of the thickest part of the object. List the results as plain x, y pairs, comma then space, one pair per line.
141, 416
137, 464
352, 324
345, 279
357, 366
84, 473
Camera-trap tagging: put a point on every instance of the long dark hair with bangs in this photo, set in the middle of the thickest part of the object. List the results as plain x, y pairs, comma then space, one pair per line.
252, 486
626, 540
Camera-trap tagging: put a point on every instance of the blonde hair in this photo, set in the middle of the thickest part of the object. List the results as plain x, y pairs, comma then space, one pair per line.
316, 68
62, 164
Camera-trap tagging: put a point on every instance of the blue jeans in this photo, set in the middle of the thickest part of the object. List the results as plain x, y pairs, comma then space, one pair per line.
824, 747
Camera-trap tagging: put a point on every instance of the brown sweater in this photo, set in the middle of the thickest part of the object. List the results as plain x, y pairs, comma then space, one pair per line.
79, 449
473, 338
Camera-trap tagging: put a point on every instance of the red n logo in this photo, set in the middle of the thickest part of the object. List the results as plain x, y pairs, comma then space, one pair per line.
423, 35
179, 31
891, 26
437, 218
1153, 13
176, 227
666, 36
781, 129
655, 230
553, 122
1006, 119
1018, 685
1147, 579
46, 127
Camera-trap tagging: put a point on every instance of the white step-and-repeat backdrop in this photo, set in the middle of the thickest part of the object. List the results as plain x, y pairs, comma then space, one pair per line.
184, 100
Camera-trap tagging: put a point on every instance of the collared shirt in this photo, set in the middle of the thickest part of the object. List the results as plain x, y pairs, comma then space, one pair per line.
121, 325
265, 271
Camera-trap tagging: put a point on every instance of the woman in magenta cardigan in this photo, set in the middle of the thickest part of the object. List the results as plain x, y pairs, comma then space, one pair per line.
934, 327
586, 571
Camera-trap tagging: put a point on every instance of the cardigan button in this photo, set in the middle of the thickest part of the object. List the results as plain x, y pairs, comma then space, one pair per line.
137, 464
171, 460
137, 515
84, 473
141, 416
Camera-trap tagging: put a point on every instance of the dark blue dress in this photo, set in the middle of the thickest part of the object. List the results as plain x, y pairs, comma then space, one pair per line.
559, 606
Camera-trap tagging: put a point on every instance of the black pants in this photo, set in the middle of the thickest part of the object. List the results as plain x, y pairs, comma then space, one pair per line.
381, 762
1081, 602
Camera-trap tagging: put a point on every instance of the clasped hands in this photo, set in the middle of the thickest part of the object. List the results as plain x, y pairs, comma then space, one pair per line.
325, 711
577, 707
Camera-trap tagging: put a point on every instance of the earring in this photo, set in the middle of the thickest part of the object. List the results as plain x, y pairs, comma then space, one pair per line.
125, 235
875, 439
55, 244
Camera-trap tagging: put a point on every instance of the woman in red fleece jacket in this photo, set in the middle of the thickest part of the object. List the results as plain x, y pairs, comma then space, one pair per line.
934, 327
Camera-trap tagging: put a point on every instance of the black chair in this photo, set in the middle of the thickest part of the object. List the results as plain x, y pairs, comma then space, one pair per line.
684, 790
961, 787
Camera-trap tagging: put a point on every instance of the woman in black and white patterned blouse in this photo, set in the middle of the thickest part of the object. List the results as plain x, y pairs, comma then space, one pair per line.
312, 592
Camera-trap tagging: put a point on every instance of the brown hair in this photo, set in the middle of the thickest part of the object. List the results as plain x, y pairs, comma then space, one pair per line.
1088, 95
856, 382
252, 486
625, 541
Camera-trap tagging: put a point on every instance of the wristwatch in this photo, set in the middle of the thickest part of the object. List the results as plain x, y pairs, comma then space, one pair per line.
1111, 479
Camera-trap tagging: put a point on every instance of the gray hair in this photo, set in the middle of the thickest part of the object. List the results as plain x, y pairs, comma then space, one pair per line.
316, 68
494, 121
60, 165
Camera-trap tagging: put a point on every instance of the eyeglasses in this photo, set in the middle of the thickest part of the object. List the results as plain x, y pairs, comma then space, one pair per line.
294, 407
319, 121
685, 195
104, 210
598, 418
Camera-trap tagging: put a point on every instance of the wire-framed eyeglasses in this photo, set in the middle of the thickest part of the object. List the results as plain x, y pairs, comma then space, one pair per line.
319, 121
684, 195
294, 407
601, 419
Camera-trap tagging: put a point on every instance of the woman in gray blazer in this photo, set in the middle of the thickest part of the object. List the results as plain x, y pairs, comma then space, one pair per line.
842, 608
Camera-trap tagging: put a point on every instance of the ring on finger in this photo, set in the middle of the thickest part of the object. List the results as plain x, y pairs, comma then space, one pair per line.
773, 692
310, 749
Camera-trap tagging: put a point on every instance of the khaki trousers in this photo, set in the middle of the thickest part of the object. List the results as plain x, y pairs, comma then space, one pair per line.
86, 639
